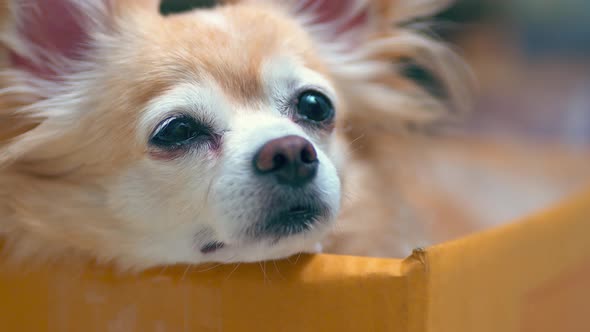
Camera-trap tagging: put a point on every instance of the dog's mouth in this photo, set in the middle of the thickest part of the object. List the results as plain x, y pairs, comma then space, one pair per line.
279, 222
293, 220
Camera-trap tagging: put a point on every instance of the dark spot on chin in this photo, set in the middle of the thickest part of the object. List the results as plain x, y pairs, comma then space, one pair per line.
212, 247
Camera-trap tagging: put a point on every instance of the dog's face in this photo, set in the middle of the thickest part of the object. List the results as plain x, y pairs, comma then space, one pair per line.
203, 136
235, 158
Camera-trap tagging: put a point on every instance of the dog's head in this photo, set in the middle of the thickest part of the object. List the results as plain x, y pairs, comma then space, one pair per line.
203, 136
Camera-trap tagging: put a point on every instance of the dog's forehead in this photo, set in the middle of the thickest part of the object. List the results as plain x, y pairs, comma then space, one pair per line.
236, 47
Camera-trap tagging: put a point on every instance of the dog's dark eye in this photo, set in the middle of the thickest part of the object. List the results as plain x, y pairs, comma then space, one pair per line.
178, 131
315, 106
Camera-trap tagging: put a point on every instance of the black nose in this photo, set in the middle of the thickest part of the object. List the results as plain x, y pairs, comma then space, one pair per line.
292, 160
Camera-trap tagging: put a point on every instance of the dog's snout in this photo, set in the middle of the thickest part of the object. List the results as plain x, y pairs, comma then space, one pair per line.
292, 160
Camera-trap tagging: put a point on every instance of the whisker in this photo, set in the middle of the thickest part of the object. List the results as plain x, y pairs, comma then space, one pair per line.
356, 139
186, 271
278, 271
263, 269
232, 271
162, 270
210, 268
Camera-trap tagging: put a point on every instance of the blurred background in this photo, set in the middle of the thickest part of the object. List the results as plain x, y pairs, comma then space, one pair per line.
532, 61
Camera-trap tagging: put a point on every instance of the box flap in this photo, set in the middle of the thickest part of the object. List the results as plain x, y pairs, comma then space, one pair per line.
322, 293
531, 276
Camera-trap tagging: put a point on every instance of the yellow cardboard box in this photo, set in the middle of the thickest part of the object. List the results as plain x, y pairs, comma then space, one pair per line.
531, 276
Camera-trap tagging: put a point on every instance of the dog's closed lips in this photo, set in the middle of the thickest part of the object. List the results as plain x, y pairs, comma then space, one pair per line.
292, 220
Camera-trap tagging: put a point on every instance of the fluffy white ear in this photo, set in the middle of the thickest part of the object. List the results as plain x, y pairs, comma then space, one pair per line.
375, 57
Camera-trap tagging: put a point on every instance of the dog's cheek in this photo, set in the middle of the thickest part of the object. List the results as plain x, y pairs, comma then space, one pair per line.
151, 197
234, 195
337, 151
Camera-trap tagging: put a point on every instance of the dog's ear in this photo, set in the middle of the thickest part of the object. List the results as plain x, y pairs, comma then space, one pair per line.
42, 36
41, 43
388, 71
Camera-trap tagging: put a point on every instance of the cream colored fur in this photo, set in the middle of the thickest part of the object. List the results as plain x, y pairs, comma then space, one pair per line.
76, 177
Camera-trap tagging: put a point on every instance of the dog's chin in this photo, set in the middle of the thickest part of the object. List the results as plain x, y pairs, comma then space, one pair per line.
291, 220
264, 250
278, 224
280, 233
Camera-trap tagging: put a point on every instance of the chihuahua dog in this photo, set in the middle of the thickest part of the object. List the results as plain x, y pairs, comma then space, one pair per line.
222, 134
